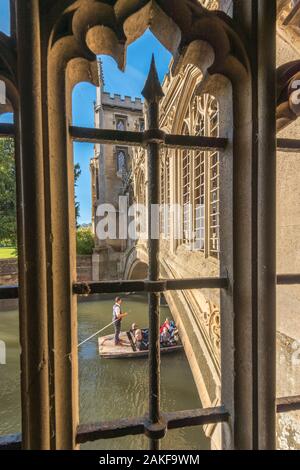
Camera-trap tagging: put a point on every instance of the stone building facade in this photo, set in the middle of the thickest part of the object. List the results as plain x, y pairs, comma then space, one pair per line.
111, 172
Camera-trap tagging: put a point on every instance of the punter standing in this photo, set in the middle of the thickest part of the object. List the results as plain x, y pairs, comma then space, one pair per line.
117, 319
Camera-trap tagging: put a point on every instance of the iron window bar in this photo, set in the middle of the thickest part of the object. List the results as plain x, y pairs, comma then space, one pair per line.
161, 285
288, 279
288, 145
288, 404
107, 136
136, 426
173, 420
9, 292
142, 139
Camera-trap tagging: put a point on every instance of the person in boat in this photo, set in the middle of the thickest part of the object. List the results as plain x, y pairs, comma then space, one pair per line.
172, 327
118, 315
133, 329
173, 333
166, 324
139, 341
165, 337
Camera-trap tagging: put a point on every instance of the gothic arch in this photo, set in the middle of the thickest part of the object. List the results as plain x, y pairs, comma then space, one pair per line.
136, 260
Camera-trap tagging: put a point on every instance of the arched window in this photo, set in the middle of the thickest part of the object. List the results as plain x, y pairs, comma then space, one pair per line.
186, 187
165, 194
121, 125
200, 179
121, 159
214, 178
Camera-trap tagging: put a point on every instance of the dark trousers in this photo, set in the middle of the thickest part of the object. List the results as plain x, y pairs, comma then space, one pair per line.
117, 327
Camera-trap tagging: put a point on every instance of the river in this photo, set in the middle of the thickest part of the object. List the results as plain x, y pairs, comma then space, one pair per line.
109, 389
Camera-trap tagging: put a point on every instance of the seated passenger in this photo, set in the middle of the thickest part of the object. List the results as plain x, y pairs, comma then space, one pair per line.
172, 327
176, 337
139, 341
165, 337
166, 324
133, 328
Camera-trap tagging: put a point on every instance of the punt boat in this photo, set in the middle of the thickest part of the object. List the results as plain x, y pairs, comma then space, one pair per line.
108, 349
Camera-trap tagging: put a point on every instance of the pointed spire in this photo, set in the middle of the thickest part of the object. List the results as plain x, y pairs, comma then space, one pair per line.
152, 91
100, 73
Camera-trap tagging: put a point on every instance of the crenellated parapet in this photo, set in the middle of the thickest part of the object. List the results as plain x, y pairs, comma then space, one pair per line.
118, 101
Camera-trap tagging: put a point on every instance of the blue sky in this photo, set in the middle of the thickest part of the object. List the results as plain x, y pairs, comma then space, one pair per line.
130, 83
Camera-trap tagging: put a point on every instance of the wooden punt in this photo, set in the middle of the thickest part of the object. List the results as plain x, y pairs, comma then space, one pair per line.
108, 350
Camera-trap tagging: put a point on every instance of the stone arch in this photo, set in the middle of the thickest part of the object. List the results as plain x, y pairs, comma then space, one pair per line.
136, 263
139, 270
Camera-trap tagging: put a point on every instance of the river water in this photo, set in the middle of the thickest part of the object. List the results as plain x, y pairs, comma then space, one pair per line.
109, 389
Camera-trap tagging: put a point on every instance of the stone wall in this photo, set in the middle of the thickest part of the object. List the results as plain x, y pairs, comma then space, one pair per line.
84, 268
9, 270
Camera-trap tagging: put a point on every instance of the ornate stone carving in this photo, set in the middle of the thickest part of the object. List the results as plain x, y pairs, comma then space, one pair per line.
170, 119
214, 327
210, 4
210, 319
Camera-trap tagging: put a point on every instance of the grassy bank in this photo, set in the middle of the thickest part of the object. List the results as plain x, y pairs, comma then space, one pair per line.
7, 253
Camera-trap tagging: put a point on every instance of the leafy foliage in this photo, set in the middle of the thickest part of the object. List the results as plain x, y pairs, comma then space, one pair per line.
85, 241
8, 222
8, 217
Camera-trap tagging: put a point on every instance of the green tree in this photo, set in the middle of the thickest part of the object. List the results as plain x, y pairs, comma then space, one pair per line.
8, 222
8, 217
85, 241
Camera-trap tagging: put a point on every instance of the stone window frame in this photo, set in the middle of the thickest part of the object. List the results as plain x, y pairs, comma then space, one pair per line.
121, 117
141, 124
194, 125
119, 148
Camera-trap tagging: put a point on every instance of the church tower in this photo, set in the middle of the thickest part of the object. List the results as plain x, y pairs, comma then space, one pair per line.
111, 170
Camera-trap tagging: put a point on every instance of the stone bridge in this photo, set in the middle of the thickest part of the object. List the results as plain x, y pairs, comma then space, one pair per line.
196, 314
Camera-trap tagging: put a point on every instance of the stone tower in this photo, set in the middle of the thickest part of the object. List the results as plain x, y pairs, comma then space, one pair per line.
111, 171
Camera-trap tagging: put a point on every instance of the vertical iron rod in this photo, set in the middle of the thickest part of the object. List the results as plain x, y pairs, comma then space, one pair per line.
266, 224
153, 93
